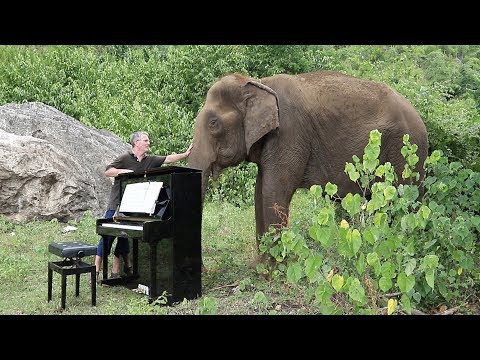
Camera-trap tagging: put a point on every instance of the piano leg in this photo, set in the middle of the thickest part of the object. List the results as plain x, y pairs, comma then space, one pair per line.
153, 267
105, 260
135, 256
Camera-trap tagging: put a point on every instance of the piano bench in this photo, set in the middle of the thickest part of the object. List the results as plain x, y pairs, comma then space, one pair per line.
72, 252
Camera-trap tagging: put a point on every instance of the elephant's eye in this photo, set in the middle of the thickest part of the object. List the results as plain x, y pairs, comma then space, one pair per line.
212, 123
214, 126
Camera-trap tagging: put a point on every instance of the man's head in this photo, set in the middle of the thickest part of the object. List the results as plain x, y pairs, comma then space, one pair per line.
140, 141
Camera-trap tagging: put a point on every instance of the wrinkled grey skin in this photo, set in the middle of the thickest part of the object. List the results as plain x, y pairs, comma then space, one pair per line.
300, 130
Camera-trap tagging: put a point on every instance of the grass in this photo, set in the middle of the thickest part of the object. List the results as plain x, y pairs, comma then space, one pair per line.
230, 286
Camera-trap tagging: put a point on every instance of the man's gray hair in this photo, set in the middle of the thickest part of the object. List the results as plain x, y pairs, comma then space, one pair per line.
137, 135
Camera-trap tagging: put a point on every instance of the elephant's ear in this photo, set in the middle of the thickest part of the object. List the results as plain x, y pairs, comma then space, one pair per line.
261, 115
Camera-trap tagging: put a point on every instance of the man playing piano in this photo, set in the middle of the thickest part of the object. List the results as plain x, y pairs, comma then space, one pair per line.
136, 160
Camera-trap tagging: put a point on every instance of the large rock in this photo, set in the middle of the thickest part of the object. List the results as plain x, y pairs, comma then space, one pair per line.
51, 165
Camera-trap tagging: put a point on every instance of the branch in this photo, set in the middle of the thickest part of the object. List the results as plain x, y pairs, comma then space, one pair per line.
451, 311
223, 286
417, 312
391, 294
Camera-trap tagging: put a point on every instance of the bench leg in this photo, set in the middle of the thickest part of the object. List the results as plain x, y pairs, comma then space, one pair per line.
64, 290
50, 275
77, 285
94, 287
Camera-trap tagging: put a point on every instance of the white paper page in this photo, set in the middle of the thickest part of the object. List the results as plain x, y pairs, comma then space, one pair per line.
140, 197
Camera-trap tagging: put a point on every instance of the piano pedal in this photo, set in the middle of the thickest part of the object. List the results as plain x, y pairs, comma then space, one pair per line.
128, 270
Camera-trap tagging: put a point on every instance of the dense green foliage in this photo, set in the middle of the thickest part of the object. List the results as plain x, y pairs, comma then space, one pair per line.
361, 254
161, 88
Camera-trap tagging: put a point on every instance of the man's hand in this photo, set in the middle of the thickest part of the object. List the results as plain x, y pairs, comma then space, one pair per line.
112, 172
189, 150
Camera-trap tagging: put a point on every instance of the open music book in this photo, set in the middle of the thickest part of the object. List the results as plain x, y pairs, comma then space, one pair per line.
140, 197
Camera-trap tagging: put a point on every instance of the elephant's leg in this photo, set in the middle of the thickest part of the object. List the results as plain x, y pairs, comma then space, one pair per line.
271, 208
259, 215
275, 203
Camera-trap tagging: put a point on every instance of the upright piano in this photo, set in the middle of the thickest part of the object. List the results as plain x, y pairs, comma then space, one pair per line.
166, 245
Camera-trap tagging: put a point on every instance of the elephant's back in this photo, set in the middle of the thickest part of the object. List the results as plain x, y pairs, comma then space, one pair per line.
327, 86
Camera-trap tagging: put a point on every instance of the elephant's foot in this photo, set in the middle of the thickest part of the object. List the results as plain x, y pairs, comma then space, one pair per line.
259, 259
268, 264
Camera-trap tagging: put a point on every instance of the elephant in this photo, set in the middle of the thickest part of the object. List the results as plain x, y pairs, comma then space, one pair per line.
299, 130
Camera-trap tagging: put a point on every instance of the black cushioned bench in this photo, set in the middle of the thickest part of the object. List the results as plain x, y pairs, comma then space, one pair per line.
72, 252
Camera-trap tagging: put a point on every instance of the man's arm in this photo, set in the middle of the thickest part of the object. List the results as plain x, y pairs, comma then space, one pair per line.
177, 157
112, 172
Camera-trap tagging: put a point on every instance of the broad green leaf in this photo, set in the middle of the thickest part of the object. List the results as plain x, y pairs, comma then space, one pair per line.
337, 282
323, 292
375, 137
410, 266
327, 308
352, 203
372, 258
323, 234
408, 222
371, 152
370, 164
388, 269
356, 240
312, 264
389, 192
425, 212
380, 219
353, 174
316, 190
410, 192
324, 216
369, 236
405, 283
406, 304
417, 296
430, 277
375, 203
430, 261
356, 291
294, 272
361, 263
385, 283
331, 189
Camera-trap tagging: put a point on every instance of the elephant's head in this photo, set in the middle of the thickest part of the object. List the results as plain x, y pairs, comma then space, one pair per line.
238, 112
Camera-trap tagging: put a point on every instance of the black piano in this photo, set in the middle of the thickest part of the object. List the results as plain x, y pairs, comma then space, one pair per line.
165, 245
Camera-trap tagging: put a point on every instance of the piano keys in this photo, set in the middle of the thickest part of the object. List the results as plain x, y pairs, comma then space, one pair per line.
124, 226
166, 245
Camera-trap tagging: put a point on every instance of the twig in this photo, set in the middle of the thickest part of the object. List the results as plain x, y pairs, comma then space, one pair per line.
224, 286
391, 294
451, 310
417, 312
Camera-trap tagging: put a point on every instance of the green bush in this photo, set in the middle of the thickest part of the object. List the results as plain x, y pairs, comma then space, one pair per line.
389, 252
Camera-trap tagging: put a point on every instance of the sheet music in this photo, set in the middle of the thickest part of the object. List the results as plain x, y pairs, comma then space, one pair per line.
140, 197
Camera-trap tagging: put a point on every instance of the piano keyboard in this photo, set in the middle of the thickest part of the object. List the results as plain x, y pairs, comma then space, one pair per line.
123, 226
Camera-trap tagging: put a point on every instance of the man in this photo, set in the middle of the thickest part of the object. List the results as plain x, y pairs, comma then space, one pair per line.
135, 160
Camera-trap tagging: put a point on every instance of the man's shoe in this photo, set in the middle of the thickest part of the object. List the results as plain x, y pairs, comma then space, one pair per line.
114, 275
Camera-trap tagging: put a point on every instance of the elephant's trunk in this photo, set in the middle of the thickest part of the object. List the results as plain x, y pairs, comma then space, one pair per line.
206, 169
